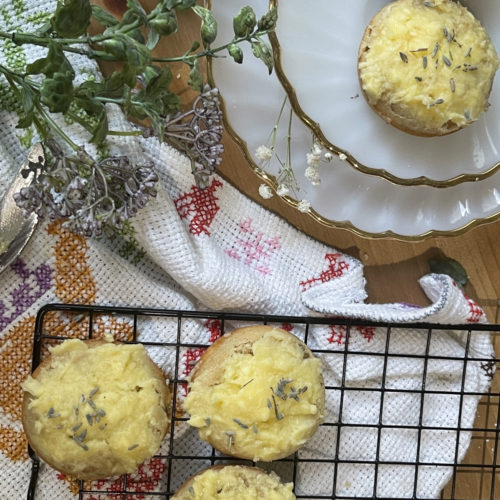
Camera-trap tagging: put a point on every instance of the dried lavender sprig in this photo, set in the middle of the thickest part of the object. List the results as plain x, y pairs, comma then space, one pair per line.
91, 195
198, 134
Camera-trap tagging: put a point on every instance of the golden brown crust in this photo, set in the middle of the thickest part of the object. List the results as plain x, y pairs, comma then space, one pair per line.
29, 419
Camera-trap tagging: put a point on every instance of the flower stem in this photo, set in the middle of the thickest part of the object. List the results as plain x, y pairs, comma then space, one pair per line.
210, 51
56, 128
125, 132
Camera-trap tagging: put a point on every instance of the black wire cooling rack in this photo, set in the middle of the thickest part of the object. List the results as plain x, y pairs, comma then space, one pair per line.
332, 473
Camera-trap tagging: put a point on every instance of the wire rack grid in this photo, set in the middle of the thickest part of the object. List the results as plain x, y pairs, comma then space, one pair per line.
350, 456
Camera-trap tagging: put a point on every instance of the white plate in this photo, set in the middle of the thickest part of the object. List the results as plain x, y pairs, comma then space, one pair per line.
319, 47
346, 197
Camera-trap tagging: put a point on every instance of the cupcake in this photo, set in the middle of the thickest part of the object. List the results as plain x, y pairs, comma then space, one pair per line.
234, 482
427, 67
256, 393
95, 409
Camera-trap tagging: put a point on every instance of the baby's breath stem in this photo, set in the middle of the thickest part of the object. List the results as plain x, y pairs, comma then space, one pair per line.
289, 143
274, 131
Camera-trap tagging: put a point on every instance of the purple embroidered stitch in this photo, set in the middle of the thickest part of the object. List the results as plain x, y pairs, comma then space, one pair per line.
35, 283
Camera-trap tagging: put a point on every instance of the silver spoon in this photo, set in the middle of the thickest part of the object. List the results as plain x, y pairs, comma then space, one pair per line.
15, 229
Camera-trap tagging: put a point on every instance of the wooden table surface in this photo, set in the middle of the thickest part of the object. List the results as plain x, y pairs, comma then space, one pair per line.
392, 267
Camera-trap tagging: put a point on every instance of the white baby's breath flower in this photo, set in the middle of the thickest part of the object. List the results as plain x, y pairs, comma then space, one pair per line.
265, 191
263, 153
342, 157
313, 159
316, 149
303, 206
283, 190
328, 156
312, 174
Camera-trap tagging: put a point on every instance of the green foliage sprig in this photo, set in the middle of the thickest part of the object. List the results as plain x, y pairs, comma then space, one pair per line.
141, 88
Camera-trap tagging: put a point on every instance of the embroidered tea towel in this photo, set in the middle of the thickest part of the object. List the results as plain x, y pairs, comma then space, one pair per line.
215, 249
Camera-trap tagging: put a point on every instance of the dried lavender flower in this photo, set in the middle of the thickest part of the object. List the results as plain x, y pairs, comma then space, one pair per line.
91, 195
198, 134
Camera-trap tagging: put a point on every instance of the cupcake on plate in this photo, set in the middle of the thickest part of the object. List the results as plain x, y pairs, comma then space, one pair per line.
427, 66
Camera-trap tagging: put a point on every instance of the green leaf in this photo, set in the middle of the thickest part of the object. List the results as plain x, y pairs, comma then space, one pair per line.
153, 39
171, 104
128, 76
244, 22
178, 4
235, 52
126, 48
138, 55
116, 47
72, 18
25, 120
137, 9
208, 24
57, 92
195, 77
156, 121
450, 267
103, 17
137, 35
164, 23
101, 129
54, 61
158, 83
263, 51
268, 21
194, 47
128, 18
28, 99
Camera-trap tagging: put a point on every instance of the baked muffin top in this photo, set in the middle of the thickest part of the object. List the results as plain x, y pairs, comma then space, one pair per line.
257, 393
96, 409
427, 67
234, 482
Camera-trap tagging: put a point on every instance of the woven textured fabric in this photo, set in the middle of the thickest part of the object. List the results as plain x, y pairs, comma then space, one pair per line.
216, 249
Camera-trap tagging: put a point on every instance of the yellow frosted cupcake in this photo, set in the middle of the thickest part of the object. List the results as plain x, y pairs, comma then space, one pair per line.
95, 409
427, 66
257, 393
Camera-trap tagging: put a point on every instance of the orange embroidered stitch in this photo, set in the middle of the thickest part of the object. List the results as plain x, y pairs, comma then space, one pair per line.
13, 444
73, 280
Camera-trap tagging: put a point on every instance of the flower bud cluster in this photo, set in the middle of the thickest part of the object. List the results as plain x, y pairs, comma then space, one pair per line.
90, 195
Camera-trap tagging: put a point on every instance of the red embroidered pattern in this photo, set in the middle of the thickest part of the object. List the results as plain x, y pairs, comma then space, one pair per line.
201, 206
215, 328
192, 356
336, 268
338, 333
146, 479
475, 311
255, 249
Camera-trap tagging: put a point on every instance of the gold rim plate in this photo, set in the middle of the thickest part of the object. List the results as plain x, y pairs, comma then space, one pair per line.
366, 205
